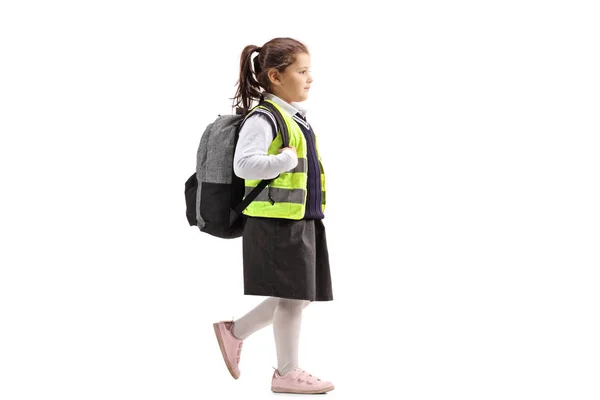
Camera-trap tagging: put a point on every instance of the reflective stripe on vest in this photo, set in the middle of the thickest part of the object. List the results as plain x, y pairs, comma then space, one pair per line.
301, 167
279, 195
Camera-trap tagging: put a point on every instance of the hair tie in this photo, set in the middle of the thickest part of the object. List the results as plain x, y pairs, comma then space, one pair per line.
258, 49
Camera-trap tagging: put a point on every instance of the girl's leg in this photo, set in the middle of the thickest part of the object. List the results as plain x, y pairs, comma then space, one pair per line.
289, 377
287, 319
258, 318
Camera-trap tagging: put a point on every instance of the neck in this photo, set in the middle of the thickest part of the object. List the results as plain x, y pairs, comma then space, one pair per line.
282, 96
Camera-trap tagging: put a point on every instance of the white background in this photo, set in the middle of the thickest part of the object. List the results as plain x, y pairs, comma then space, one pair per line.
460, 141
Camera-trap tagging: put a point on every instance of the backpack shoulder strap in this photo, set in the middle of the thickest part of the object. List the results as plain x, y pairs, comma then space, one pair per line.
279, 122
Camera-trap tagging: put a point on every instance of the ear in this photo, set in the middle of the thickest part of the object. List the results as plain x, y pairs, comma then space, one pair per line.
274, 77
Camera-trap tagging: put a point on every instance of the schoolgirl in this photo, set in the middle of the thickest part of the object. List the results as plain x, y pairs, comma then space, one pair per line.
285, 255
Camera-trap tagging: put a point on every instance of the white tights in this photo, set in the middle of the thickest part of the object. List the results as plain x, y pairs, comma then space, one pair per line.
286, 317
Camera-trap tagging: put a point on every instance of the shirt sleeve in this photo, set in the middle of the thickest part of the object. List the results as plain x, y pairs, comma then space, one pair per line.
251, 159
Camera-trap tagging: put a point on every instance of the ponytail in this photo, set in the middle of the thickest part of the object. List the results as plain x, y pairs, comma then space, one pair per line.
248, 87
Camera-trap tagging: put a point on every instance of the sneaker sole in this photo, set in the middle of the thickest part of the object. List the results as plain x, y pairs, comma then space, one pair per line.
314, 391
223, 353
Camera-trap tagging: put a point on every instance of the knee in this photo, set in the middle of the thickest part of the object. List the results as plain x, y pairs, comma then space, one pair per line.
292, 304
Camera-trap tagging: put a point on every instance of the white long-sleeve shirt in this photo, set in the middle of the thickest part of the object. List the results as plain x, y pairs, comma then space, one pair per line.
251, 159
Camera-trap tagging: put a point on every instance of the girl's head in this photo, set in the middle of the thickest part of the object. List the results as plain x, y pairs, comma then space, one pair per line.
282, 67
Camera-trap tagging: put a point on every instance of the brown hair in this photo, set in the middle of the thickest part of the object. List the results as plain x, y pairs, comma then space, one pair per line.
277, 53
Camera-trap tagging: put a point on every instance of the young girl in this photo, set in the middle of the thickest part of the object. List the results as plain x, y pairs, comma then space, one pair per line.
284, 245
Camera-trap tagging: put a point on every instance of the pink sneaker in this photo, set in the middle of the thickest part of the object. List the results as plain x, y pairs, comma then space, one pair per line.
299, 381
231, 347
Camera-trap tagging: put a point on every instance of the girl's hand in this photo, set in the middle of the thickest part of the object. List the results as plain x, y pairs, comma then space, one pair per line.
289, 148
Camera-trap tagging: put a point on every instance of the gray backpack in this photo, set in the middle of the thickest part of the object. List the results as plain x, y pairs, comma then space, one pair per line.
214, 195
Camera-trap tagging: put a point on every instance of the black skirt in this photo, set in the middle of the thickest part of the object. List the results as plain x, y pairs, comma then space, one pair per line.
286, 258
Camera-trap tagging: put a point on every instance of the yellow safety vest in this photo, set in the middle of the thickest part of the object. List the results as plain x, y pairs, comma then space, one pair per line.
285, 196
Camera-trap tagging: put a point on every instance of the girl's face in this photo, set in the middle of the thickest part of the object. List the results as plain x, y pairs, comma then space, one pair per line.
292, 85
